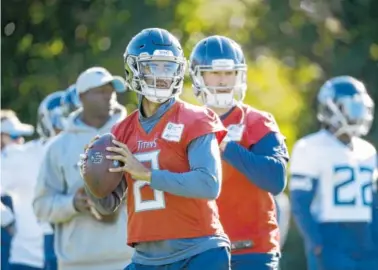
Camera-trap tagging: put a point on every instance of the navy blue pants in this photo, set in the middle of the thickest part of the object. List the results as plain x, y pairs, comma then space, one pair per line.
255, 261
50, 257
6, 238
333, 259
213, 259
22, 267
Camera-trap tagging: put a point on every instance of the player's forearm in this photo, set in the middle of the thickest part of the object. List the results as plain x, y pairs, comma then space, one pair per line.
301, 204
266, 172
204, 178
54, 208
110, 203
194, 184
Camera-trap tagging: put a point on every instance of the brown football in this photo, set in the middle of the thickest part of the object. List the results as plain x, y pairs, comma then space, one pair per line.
96, 173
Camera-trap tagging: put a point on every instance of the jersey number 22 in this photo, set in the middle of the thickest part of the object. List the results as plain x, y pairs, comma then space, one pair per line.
342, 193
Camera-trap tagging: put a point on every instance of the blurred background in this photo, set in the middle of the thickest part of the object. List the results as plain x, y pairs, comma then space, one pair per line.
292, 47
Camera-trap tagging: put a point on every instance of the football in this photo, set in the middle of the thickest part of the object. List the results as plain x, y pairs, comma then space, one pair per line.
96, 173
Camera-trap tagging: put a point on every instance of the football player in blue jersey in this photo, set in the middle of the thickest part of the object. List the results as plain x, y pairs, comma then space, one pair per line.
27, 244
50, 123
331, 179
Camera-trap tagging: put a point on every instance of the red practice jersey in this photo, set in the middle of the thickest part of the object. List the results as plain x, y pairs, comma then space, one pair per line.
156, 215
247, 212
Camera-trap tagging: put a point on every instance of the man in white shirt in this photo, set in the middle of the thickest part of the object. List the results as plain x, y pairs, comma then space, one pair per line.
7, 229
26, 251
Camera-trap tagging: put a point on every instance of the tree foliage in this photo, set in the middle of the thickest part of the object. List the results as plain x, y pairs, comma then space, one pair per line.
292, 46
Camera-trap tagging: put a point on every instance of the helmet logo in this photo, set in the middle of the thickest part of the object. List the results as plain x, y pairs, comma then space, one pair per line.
163, 53
225, 64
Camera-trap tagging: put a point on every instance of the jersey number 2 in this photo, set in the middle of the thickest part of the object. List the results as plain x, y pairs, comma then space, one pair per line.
159, 201
351, 175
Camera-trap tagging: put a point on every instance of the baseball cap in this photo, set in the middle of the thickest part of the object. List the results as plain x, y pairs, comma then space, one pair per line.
98, 76
14, 127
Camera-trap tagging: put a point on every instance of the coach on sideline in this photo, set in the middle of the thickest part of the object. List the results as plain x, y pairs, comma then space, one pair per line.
83, 241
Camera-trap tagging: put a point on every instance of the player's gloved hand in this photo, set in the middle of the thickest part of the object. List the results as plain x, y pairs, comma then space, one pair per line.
81, 201
131, 165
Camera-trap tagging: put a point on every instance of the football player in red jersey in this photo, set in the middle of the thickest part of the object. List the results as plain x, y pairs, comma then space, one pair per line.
172, 164
254, 154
